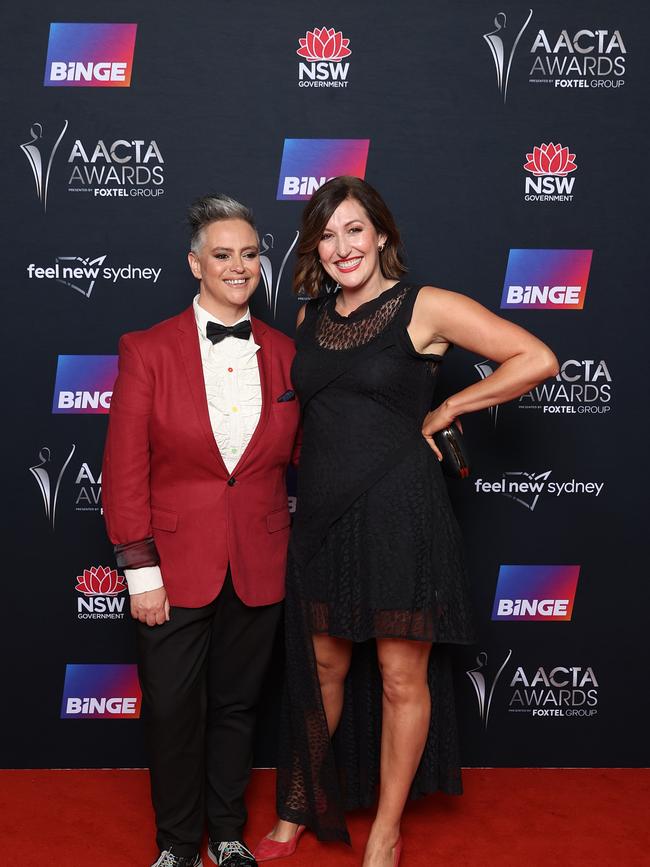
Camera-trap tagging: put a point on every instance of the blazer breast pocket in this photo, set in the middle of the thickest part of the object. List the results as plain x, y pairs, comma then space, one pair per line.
163, 519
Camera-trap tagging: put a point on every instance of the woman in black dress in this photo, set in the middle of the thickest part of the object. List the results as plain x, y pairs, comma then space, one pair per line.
376, 585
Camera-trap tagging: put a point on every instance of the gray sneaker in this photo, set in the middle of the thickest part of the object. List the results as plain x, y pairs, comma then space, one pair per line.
168, 859
230, 853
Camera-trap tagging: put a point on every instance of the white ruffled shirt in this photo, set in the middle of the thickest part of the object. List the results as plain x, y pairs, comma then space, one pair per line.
234, 394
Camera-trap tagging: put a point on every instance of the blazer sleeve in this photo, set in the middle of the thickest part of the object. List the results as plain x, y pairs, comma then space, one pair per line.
126, 465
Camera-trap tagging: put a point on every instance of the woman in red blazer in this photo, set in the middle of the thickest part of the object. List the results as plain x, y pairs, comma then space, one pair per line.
202, 426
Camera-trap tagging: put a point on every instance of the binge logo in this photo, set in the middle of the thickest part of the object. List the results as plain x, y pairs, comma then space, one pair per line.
90, 55
535, 592
307, 163
84, 383
101, 692
546, 279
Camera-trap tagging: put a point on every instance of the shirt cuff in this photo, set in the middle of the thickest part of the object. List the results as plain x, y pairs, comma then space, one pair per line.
141, 580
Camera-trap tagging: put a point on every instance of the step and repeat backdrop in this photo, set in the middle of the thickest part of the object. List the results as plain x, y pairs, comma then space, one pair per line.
510, 142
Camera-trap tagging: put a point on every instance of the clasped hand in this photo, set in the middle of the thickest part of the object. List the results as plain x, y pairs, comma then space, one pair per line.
437, 419
150, 607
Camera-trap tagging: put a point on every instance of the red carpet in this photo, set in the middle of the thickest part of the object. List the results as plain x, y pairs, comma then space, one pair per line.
506, 817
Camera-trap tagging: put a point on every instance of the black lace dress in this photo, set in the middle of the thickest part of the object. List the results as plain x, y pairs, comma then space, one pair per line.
374, 553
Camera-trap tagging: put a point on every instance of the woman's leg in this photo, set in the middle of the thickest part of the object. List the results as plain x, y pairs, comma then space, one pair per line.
406, 711
333, 657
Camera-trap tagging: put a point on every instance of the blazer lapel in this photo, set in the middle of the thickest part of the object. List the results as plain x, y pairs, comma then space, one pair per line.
191, 354
264, 362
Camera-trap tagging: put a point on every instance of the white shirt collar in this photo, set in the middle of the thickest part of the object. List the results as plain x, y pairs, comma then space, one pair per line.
203, 317
231, 346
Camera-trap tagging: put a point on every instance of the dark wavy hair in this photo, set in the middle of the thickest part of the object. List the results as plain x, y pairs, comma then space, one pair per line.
309, 275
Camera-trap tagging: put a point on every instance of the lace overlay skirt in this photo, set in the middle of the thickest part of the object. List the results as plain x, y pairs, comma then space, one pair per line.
390, 567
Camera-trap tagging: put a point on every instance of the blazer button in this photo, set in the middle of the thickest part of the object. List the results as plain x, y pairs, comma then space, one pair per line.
232, 481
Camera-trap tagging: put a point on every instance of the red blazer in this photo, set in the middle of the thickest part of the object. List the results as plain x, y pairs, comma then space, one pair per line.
163, 474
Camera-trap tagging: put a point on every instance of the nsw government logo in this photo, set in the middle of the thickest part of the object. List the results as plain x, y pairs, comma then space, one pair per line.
90, 55
100, 589
101, 692
307, 163
546, 279
550, 164
535, 592
324, 49
84, 383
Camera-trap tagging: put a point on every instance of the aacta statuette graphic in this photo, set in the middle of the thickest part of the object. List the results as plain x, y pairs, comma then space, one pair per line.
272, 289
485, 369
39, 160
43, 473
503, 48
477, 676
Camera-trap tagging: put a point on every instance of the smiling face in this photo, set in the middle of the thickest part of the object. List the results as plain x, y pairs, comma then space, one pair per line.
228, 266
348, 248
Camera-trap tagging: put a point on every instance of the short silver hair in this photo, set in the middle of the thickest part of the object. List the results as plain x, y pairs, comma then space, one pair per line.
211, 209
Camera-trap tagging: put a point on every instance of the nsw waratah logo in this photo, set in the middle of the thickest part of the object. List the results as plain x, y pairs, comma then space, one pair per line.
100, 581
550, 166
324, 49
90, 55
100, 588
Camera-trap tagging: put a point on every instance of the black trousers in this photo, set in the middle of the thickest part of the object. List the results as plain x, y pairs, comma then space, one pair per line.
201, 675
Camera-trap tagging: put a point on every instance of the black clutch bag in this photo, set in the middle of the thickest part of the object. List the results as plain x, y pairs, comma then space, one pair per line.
455, 462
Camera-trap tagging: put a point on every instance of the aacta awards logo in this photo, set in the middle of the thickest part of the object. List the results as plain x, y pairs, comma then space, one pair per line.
545, 691
271, 285
550, 164
324, 48
484, 684
578, 58
40, 151
583, 386
122, 168
100, 589
48, 473
307, 163
90, 55
503, 42
569, 58
101, 692
88, 490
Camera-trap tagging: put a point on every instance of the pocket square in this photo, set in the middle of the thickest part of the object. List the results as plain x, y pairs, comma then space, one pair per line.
288, 395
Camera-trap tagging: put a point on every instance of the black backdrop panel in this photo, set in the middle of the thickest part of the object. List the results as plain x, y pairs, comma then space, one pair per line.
452, 97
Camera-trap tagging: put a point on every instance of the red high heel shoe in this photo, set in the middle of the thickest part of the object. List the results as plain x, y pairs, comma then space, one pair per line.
397, 852
268, 850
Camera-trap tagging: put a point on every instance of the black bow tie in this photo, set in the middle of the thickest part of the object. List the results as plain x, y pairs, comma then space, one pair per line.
216, 332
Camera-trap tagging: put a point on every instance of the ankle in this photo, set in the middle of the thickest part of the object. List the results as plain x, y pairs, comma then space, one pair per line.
385, 833
283, 831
